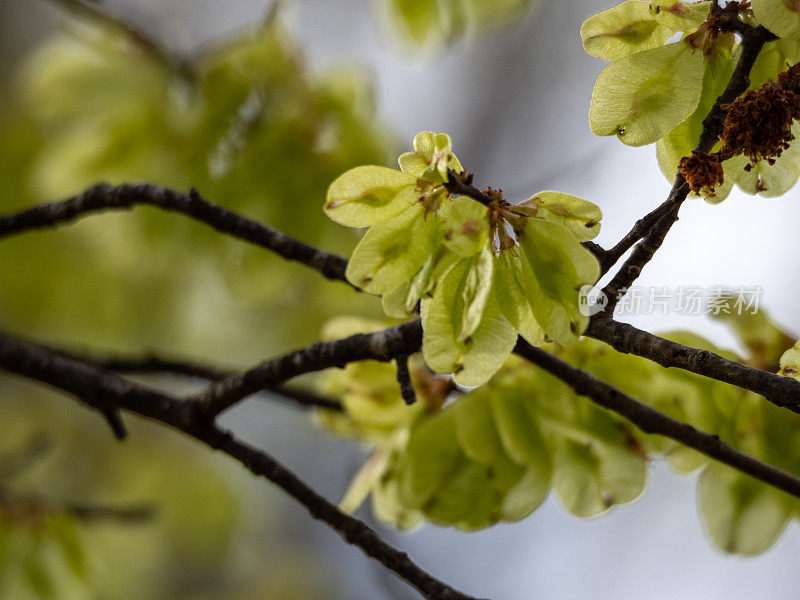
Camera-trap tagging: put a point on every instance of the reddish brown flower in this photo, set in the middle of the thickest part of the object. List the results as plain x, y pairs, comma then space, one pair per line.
759, 123
789, 81
703, 172
710, 33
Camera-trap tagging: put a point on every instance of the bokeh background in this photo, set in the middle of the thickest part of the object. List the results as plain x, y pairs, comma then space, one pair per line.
341, 89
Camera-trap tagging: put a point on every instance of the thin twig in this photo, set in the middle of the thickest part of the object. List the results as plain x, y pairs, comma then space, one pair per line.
105, 197
652, 421
712, 127
639, 230
115, 423
13, 505
100, 14
150, 364
404, 379
119, 514
456, 186
382, 345
19, 461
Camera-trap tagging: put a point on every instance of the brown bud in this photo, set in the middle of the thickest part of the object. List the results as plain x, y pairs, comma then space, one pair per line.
759, 123
703, 172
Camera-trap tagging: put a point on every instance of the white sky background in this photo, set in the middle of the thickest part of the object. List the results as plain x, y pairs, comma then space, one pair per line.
516, 104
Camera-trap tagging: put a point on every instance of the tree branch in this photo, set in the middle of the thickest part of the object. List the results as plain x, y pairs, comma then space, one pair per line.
105, 197
400, 340
149, 364
625, 338
652, 421
13, 505
100, 389
404, 380
155, 364
18, 461
655, 226
639, 230
456, 186
352, 530
119, 514
101, 15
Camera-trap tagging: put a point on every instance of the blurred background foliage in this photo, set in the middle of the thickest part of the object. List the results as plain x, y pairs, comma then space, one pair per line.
250, 125
245, 122
256, 133
251, 129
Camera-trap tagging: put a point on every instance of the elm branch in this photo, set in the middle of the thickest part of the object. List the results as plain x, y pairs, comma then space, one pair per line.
384, 345
105, 197
625, 338
459, 185
652, 421
753, 41
100, 389
154, 364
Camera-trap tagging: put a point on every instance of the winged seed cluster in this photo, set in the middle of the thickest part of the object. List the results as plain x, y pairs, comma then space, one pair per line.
495, 453
455, 260
656, 90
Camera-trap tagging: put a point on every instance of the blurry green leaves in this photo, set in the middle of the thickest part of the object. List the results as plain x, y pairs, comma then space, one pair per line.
496, 451
431, 24
190, 507
741, 515
256, 133
368, 390
476, 285
42, 554
105, 112
265, 125
763, 340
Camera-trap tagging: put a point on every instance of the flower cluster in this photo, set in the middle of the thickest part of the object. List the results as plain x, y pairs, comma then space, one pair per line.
758, 126
759, 123
703, 172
